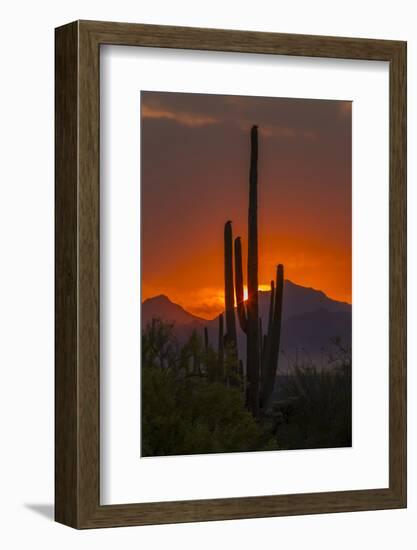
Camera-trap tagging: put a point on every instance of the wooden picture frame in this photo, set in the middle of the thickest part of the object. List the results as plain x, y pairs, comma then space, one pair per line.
77, 372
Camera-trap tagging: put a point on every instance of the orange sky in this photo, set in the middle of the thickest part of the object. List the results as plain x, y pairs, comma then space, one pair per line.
195, 163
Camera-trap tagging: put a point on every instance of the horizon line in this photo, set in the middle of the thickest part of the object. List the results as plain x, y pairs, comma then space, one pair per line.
162, 294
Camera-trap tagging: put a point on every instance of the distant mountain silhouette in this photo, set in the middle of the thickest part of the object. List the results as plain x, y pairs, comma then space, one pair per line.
310, 320
161, 307
300, 299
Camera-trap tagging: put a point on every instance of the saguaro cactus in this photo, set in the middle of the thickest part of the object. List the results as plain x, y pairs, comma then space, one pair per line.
252, 341
240, 300
248, 314
261, 352
229, 288
272, 340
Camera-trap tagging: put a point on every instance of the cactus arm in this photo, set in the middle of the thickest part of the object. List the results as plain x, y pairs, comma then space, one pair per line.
267, 349
278, 313
240, 300
271, 307
270, 363
229, 289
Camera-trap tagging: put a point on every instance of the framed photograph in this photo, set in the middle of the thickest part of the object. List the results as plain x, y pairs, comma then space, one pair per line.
230, 274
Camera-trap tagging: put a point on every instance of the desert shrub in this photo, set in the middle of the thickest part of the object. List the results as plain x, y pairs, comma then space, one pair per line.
317, 410
186, 410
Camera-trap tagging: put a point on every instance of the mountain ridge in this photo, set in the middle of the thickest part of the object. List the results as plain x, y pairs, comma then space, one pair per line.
298, 299
161, 306
310, 320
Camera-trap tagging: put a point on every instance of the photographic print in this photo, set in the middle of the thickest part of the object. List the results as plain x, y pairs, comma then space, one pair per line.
246, 277
203, 274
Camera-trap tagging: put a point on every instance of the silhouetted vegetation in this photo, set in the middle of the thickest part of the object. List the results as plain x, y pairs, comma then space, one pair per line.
193, 403
316, 411
190, 406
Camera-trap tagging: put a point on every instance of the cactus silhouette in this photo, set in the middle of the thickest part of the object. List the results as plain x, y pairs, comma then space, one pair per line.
252, 331
229, 289
248, 312
261, 350
272, 340
240, 300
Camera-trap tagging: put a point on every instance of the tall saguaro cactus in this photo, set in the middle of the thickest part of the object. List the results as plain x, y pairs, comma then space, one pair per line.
261, 351
252, 341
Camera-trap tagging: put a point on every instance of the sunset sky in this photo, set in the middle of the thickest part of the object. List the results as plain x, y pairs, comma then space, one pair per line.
194, 177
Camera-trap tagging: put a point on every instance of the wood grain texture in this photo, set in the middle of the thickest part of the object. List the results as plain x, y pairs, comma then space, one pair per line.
66, 231
398, 272
78, 286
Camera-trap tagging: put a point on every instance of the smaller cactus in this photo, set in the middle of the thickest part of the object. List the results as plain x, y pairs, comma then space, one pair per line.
272, 341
